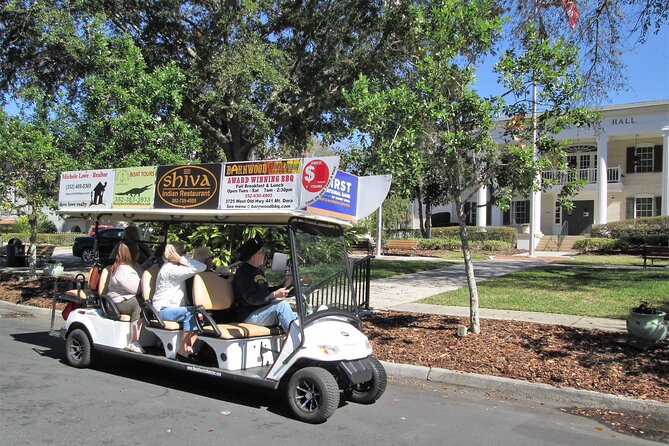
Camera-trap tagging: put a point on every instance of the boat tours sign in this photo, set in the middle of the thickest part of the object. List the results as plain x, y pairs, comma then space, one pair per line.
86, 189
133, 187
313, 184
194, 186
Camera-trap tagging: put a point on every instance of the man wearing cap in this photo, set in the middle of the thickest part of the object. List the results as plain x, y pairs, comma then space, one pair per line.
255, 301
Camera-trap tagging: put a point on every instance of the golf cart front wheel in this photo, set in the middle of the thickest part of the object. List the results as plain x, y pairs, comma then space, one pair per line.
313, 394
370, 391
78, 349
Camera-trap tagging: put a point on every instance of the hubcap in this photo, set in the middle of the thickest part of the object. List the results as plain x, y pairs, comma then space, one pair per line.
76, 350
307, 396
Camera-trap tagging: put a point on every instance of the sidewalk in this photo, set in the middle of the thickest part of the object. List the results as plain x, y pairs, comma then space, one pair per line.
401, 293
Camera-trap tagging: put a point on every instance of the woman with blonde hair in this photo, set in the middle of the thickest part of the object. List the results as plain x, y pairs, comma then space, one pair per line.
122, 289
170, 298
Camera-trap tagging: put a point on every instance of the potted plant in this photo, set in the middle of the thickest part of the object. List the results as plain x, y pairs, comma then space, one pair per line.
53, 268
647, 322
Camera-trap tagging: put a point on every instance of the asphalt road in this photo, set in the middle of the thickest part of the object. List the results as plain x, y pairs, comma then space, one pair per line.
45, 401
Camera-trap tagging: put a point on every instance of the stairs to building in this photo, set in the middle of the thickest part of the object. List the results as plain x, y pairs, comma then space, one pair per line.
550, 243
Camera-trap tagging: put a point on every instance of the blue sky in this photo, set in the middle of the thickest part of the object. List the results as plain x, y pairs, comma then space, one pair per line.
647, 72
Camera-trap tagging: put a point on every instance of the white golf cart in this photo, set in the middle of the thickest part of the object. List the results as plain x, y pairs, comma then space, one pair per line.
323, 357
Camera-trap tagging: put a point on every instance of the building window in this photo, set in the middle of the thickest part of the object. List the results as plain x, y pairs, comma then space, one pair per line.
521, 212
470, 212
644, 158
643, 207
558, 213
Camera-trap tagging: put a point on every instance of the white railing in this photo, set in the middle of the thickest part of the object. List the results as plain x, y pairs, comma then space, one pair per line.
613, 175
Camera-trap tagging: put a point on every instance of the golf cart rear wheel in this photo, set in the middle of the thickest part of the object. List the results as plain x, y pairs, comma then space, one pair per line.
370, 391
313, 394
78, 349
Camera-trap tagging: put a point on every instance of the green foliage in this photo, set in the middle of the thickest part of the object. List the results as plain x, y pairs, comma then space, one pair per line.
595, 244
125, 114
251, 74
30, 168
44, 225
636, 232
224, 240
64, 240
454, 244
478, 233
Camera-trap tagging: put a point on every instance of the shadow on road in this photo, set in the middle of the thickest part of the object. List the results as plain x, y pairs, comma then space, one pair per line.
198, 384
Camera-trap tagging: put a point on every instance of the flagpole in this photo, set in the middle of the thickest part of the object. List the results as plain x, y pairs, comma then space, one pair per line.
533, 194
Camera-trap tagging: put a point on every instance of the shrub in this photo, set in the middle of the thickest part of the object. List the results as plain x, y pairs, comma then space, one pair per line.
495, 245
477, 233
447, 243
64, 239
636, 232
595, 244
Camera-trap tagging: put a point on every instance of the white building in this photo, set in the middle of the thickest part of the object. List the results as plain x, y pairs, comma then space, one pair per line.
625, 162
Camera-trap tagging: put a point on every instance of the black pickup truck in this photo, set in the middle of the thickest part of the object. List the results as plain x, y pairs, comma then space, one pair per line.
107, 238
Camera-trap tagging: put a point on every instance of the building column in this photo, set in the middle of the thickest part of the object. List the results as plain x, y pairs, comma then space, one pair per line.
601, 217
481, 211
665, 171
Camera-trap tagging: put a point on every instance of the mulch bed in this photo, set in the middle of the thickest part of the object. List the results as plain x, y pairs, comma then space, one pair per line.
561, 356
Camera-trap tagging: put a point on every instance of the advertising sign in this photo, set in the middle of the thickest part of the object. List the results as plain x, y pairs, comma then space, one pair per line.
260, 185
316, 175
86, 189
133, 187
340, 198
187, 187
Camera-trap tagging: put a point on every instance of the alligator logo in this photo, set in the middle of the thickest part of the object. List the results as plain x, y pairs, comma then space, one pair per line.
135, 191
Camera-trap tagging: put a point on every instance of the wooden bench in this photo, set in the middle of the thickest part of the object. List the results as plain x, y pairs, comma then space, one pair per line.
654, 253
403, 245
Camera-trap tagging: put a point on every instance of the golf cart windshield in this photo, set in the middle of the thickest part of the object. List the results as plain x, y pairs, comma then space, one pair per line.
322, 268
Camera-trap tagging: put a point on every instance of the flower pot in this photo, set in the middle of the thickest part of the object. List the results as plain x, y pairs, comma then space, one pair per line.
651, 327
54, 269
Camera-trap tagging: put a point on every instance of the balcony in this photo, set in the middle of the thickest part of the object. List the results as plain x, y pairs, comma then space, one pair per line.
613, 175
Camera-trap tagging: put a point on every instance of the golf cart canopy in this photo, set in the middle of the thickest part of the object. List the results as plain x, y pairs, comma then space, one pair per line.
213, 216
254, 192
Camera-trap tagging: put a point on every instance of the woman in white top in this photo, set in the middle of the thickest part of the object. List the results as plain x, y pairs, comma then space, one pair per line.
170, 296
122, 289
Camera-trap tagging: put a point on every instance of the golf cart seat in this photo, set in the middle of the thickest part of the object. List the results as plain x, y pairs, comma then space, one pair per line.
148, 288
79, 295
109, 308
214, 293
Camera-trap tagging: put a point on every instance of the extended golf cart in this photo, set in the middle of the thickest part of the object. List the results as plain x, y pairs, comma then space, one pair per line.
323, 357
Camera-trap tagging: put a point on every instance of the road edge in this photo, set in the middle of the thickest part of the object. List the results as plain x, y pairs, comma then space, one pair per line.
519, 389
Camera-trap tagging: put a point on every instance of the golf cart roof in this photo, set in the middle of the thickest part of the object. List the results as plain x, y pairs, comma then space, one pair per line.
210, 216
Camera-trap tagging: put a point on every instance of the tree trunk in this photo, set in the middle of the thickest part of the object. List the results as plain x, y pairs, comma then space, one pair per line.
419, 200
428, 219
474, 322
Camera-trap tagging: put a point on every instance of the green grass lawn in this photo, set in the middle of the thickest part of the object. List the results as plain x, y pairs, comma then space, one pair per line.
621, 259
388, 268
597, 292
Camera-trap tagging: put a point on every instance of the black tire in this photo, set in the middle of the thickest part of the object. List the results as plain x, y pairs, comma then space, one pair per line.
369, 392
313, 394
89, 255
78, 349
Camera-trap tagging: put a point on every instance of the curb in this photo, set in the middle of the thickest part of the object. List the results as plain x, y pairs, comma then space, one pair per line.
519, 389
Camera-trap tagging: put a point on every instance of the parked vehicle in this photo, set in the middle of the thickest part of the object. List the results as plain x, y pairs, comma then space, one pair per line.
91, 230
323, 357
86, 247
